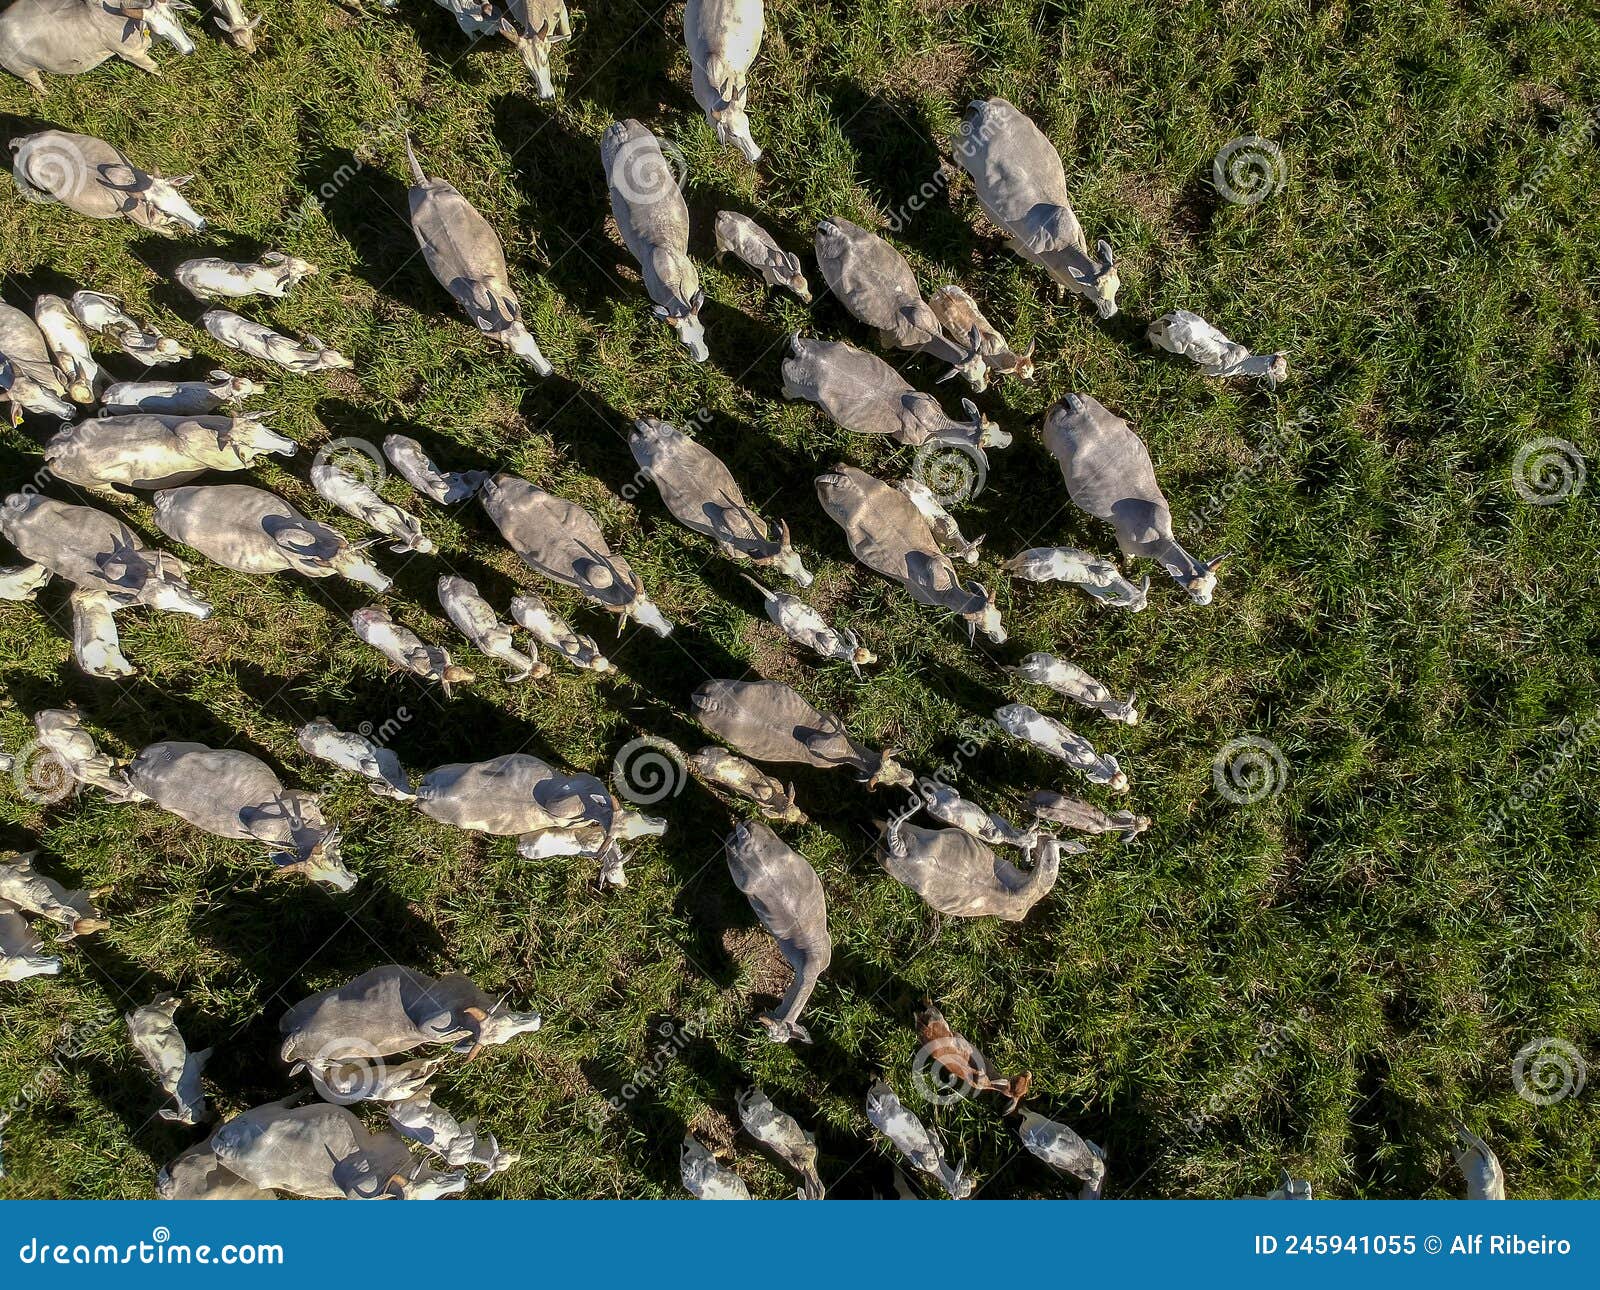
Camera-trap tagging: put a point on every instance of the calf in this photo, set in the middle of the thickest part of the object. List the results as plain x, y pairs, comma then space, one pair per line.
740, 236
948, 806
1061, 1148
1051, 736
96, 645
90, 177
960, 876
705, 497
69, 347
864, 395
724, 37
550, 629
212, 278
156, 1036
768, 721
238, 30
26, 888
390, 1010
964, 323
1098, 576
704, 1178
230, 794
941, 523
147, 450
782, 1135
28, 373
62, 732
22, 955
1022, 187
355, 752
104, 316
810, 630
464, 253
887, 533
960, 1057
422, 1120
876, 284
1060, 809
97, 552
475, 618
1072, 681
250, 530
653, 220
1479, 1165
535, 27
359, 500
177, 398
323, 1152
787, 897
406, 650
1188, 334
720, 769
915, 1141
306, 355
445, 487
66, 37
1110, 476
564, 542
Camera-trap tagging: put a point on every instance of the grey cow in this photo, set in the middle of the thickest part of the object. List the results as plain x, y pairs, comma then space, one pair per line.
66, 37
28, 374
768, 721
961, 876
90, 177
177, 398
1095, 574
230, 794
390, 1010
1051, 736
1022, 187
1072, 681
653, 220
376, 627
1110, 476
250, 530
810, 630
464, 253
1188, 334
1061, 1148
352, 751
723, 37
236, 28
1058, 808
213, 278
155, 1034
411, 460
197, 1174
741, 237
720, 769
787, 897
699, 489
781, 1134
864, 395
309, 354
149, 450
877, 285
535, 27
565, 543
888, 534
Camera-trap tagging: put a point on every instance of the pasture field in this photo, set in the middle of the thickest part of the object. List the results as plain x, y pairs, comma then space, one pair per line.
1322, 979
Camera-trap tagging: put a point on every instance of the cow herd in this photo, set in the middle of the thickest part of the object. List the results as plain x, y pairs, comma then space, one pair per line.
165, 439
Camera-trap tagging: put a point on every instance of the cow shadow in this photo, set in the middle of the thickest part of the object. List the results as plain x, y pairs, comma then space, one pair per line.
371, 210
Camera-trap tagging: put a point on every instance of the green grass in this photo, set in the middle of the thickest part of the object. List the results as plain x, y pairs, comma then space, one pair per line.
1320, 981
